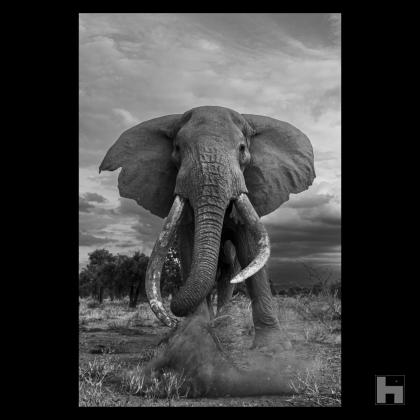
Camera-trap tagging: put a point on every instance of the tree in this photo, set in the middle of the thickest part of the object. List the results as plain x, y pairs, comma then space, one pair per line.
106, 273
101, 269
121, 275
86, 280
137, 277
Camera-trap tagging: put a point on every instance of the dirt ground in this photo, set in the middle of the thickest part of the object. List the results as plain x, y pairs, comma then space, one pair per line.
114, 340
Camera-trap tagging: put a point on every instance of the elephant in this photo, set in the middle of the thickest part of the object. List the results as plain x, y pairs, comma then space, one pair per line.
213, 173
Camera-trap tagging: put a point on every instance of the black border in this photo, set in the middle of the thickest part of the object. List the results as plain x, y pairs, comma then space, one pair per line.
375, 149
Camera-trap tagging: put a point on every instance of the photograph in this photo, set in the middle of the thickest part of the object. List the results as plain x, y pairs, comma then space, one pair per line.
210, 210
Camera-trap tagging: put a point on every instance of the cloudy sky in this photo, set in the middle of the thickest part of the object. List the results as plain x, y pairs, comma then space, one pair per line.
134, 67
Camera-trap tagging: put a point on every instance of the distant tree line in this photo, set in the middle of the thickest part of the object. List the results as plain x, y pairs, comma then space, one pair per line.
319, 282
119, 276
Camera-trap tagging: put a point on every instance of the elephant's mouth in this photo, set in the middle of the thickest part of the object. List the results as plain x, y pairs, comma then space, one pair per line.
247, 215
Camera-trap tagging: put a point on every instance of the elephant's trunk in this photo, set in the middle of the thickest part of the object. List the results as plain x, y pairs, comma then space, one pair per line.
210, 185
209, 216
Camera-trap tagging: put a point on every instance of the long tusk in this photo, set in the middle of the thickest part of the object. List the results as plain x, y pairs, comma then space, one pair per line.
157, 258
253, 223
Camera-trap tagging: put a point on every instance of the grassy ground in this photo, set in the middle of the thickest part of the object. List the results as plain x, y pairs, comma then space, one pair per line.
116, 341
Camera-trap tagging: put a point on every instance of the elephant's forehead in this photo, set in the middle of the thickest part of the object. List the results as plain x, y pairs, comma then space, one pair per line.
213, 114
223, 132
212, 120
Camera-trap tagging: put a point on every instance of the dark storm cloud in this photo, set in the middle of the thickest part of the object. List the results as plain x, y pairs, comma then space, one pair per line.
86, 239
145, 230
312, 237
285, 274
86, 200
308, 227
94, 222
147, 225
94, 197
330, 219
127, 227
126, 244
323, 215
303, 241
84, 205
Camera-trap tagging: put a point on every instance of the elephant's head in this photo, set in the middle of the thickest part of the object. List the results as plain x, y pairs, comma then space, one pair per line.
205, 159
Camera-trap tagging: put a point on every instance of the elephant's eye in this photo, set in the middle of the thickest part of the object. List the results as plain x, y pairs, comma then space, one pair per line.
176, 155
242, 148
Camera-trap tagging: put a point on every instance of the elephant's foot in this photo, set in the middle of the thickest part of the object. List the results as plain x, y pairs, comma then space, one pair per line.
271, 339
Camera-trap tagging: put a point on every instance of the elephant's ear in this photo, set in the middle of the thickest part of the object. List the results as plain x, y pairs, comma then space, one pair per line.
282, 162
144, 152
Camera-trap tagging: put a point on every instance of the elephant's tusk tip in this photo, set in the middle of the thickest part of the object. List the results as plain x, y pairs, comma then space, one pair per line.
237, 279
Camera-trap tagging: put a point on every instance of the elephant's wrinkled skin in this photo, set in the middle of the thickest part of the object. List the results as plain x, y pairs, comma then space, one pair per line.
225, 170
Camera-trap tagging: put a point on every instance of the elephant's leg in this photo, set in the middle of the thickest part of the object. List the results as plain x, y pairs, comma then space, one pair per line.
268, 331
224, 288
229, 267
209, 301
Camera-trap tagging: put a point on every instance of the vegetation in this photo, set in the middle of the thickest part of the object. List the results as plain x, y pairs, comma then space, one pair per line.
118, 276
112, 362
113, 302
321, 283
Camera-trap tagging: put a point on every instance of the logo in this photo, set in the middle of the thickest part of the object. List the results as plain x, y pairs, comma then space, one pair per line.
390, 389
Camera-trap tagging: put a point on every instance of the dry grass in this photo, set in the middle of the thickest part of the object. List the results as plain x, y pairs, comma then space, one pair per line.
319, 320
116, 314
168, 385
97, 383
320, 315
309, 385
92, 382
129, 337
